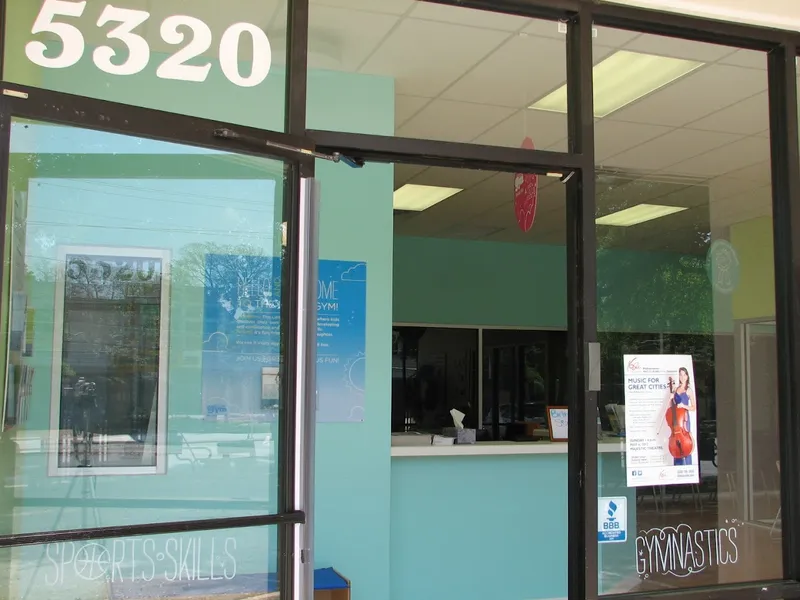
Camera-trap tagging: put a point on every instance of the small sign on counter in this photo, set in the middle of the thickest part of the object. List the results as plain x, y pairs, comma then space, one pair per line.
558, 422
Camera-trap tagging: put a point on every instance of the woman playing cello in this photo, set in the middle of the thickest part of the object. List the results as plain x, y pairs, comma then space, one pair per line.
683, 397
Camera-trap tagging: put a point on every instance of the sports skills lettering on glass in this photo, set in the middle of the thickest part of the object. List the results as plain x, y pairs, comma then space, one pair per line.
54, 14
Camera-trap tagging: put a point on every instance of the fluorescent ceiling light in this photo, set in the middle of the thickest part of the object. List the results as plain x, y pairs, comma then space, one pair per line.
621, 79
421, 197
638, 214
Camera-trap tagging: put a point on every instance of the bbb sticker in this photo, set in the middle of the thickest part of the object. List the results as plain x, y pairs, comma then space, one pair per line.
612, 519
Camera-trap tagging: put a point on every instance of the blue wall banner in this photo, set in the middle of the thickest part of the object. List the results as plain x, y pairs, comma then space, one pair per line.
241, 333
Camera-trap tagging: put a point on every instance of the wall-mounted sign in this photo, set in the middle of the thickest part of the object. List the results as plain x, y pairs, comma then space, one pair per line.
660, 420
722, 266
612, 519
558, 422
242, 321
191, 37
526, 194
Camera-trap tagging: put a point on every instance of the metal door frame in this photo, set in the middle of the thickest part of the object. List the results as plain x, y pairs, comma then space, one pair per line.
298, 301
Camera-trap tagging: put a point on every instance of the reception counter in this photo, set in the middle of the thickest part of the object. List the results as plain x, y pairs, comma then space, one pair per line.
489, 520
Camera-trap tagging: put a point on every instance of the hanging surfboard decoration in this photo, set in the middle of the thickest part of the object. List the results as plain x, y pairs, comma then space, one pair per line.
526, 193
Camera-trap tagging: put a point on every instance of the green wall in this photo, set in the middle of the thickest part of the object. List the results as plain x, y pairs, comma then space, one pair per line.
754, 297
455, 282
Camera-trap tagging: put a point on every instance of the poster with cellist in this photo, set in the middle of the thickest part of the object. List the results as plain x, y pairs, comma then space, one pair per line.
660, 420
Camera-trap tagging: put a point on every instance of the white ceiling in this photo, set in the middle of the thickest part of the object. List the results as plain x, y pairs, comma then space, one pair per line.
469, 76
780, 14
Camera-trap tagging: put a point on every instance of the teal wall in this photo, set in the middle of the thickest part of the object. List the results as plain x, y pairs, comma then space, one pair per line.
455, 282
479, 527
353, 459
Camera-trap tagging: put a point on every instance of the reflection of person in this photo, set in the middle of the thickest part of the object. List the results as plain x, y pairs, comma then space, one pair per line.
683, 397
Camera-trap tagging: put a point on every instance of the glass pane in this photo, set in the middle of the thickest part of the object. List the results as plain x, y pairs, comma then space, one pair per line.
187, 58
479, 305
424, 70
685, 310
144, 319
434, 370
239, 563
523, 373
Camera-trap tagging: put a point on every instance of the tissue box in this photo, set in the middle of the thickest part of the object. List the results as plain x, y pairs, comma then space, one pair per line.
463, 436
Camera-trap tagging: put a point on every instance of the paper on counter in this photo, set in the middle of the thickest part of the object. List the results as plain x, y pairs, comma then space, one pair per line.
458, 418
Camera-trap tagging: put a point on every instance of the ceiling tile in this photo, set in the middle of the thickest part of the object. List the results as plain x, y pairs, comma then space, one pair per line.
614, 38
735, 156
604, 36
406, 107
395, 7
453, 121
425, 57
544, 128
499, 216
752, 59
752, 203
748, 117
669, 149
467, 16
541, 28
512, 75
726, 186
464, 179
678, 48
613, 137
331, 35
695, 96
760, 172
404, 173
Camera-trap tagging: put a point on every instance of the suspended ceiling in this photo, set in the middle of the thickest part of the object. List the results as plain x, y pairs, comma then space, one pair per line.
469, 76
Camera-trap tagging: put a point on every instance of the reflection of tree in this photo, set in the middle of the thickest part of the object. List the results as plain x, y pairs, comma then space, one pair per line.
233, 268
653, 292
663, 287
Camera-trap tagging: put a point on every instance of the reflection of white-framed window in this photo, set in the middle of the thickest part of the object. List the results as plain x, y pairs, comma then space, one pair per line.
108, 409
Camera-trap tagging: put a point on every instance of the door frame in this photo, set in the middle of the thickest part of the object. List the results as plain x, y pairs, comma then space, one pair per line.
298, 292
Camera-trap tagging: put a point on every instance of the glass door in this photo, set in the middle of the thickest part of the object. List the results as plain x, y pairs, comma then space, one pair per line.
150, 420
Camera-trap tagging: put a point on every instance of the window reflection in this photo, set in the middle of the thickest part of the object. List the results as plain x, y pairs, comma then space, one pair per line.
111, 332
433, 371
685, 267
111, 282
524, 373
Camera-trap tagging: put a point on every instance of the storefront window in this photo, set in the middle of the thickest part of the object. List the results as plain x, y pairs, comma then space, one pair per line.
424, 70
686, 313
144, 336
191, 59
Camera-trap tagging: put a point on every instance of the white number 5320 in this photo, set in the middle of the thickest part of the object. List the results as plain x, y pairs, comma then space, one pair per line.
192, 35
